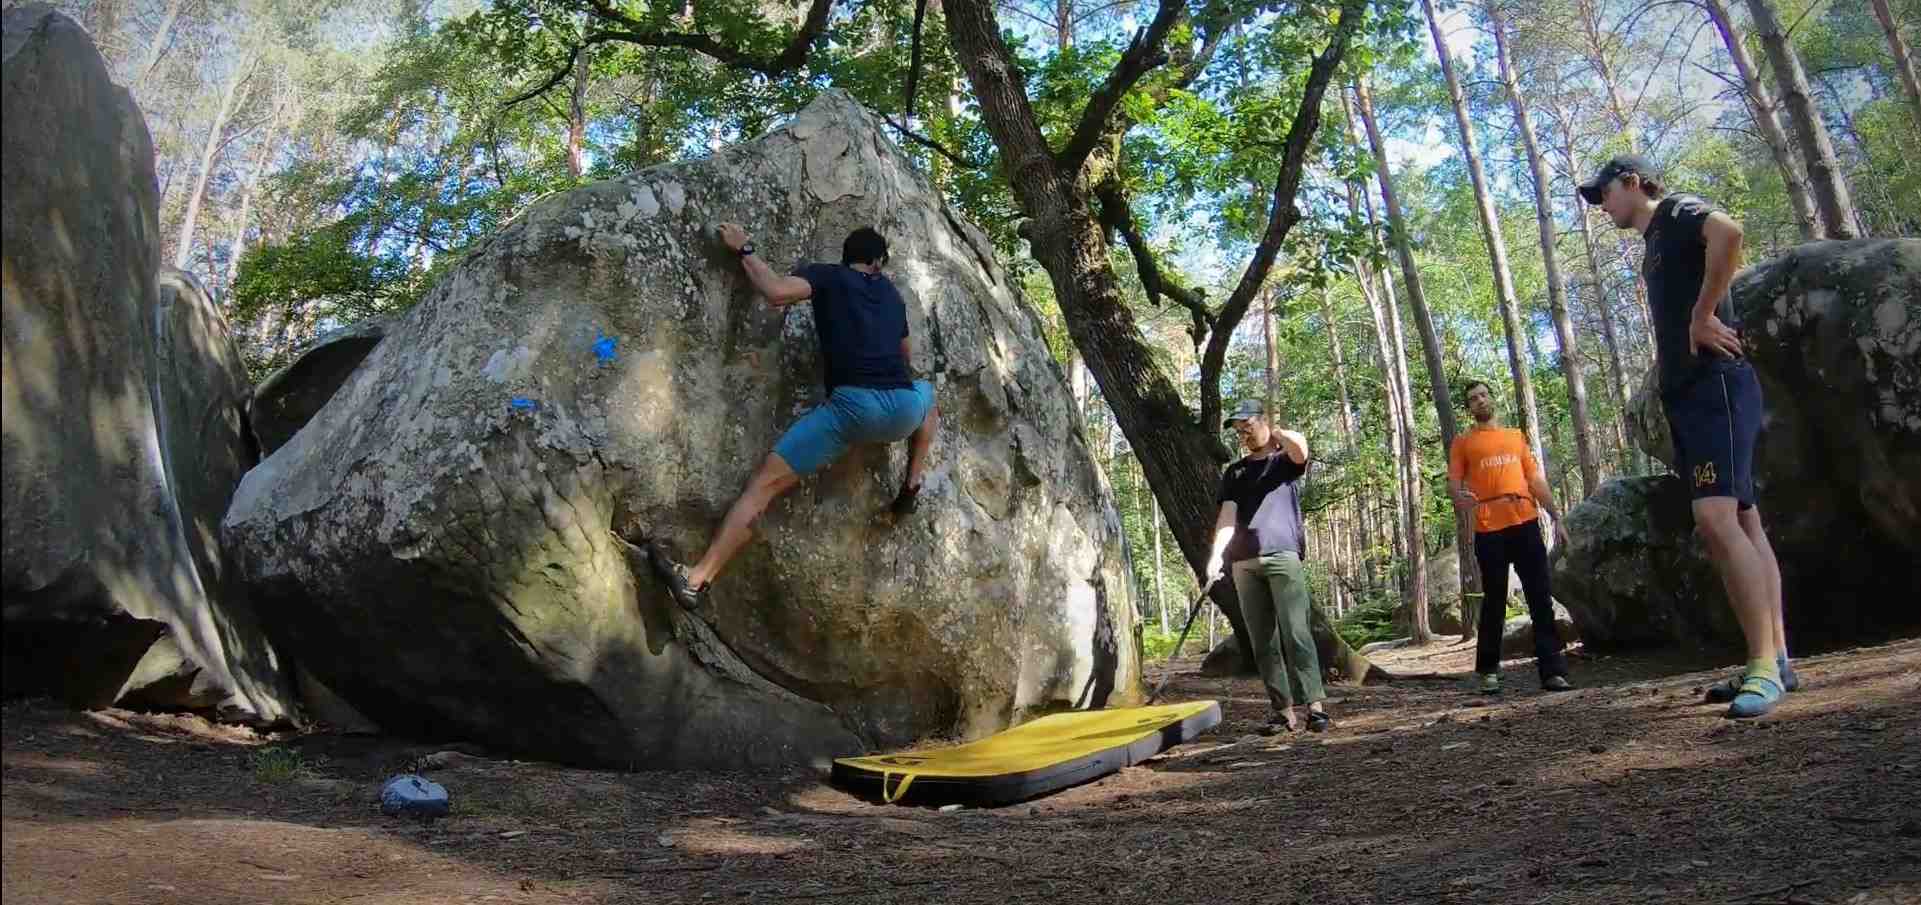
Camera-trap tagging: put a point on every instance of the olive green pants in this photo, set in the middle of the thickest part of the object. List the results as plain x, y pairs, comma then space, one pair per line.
1273, 594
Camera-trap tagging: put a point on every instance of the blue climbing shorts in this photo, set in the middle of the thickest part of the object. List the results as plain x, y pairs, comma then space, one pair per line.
853, 415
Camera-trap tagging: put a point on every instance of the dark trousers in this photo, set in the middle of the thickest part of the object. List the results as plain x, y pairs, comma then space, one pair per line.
1521, 547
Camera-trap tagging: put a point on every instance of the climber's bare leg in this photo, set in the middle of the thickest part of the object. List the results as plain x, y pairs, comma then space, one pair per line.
773, 478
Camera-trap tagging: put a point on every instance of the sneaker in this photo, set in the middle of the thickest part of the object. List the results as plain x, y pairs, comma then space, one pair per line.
1557, 683
1276, 724
1758, 697
1725, 692
1491, 683
1318, 721
674, 575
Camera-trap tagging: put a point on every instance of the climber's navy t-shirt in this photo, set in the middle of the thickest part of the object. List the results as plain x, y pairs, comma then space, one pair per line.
1675, 265
861, 320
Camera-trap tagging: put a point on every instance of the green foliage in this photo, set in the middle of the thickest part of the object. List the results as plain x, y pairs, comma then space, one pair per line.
276, 765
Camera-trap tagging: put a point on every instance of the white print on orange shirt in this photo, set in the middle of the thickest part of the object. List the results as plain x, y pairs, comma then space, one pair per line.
1500, 460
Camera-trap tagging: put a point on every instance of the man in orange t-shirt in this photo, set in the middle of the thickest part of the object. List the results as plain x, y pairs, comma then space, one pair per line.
1491, 472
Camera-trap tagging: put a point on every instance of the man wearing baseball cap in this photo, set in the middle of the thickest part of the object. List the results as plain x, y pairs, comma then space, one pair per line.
1713, 403
1260, 533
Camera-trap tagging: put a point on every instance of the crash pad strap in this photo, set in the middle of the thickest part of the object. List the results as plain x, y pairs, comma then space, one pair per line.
906, 779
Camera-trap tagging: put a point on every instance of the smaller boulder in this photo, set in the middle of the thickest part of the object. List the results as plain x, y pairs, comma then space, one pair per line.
1517, 635
1635, 573
291, 396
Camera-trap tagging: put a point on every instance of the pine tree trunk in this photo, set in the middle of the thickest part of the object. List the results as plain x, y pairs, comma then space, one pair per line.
1831, 198
1550, 259
155, 48
1424, 324
1160, 597
1407, 449
1632, 459
1340, 368
1767, 120
1267, 339
183, 246
1491, 232
1904, 67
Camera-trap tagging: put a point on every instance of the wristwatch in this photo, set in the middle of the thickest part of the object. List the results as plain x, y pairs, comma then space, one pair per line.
745, 250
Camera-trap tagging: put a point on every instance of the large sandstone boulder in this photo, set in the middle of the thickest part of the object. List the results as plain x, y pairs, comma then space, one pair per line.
1834, 330
452, 543
120, 401
289, 397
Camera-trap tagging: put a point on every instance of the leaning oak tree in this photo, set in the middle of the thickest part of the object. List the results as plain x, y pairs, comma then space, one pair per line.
1068, 177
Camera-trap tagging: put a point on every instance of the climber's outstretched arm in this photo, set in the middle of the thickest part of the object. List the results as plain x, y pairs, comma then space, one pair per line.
779, 290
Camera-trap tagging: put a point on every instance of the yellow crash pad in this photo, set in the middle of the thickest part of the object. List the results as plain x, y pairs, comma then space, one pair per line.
1029, 760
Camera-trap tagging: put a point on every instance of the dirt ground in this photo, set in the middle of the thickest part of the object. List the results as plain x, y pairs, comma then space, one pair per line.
1627, 791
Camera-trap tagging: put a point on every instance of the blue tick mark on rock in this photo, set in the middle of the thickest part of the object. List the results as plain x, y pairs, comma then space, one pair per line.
524, 404
604, 348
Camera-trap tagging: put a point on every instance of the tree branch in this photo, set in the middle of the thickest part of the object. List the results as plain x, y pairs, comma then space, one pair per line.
913, 63
1142, 56
1116, 214
953, 157
791, 57
1281, 212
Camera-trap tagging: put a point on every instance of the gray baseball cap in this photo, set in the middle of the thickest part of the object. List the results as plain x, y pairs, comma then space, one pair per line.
1249, 408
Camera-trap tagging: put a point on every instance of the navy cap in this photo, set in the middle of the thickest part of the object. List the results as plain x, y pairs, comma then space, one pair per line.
1616, 167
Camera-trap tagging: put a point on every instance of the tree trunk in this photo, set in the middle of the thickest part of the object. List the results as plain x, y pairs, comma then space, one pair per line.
577, 117
155, 48
1180, 455
1604, 306
262, 159
183, 246
1077, 383
1160, 597
1550, 259
1406, 445
1903, 63
1340, 368
1491, 232
1267, 339
1831, 197
1423, 323
1767, 120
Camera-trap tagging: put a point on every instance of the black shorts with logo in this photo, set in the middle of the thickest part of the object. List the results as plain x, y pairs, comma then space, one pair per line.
1716, 419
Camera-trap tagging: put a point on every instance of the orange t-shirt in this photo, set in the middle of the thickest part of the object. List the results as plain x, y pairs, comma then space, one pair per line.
1497, 465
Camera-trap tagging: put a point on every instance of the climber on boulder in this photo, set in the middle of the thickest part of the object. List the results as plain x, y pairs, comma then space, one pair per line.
871, 396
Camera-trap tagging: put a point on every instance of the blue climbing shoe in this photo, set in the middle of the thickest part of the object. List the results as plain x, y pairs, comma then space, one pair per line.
1759, 696
1725, 691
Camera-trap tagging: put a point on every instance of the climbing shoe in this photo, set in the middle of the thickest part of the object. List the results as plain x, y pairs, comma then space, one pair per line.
1759, 696
906, 501
674, 575
1491, 683
1318, 721
1556, 683
1725, 692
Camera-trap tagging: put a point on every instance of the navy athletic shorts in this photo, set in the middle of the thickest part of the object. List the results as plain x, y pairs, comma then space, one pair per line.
1716, 420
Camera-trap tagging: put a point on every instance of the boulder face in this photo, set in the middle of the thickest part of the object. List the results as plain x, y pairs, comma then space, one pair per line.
1834, 331
289, 397
452, 543
122, 438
